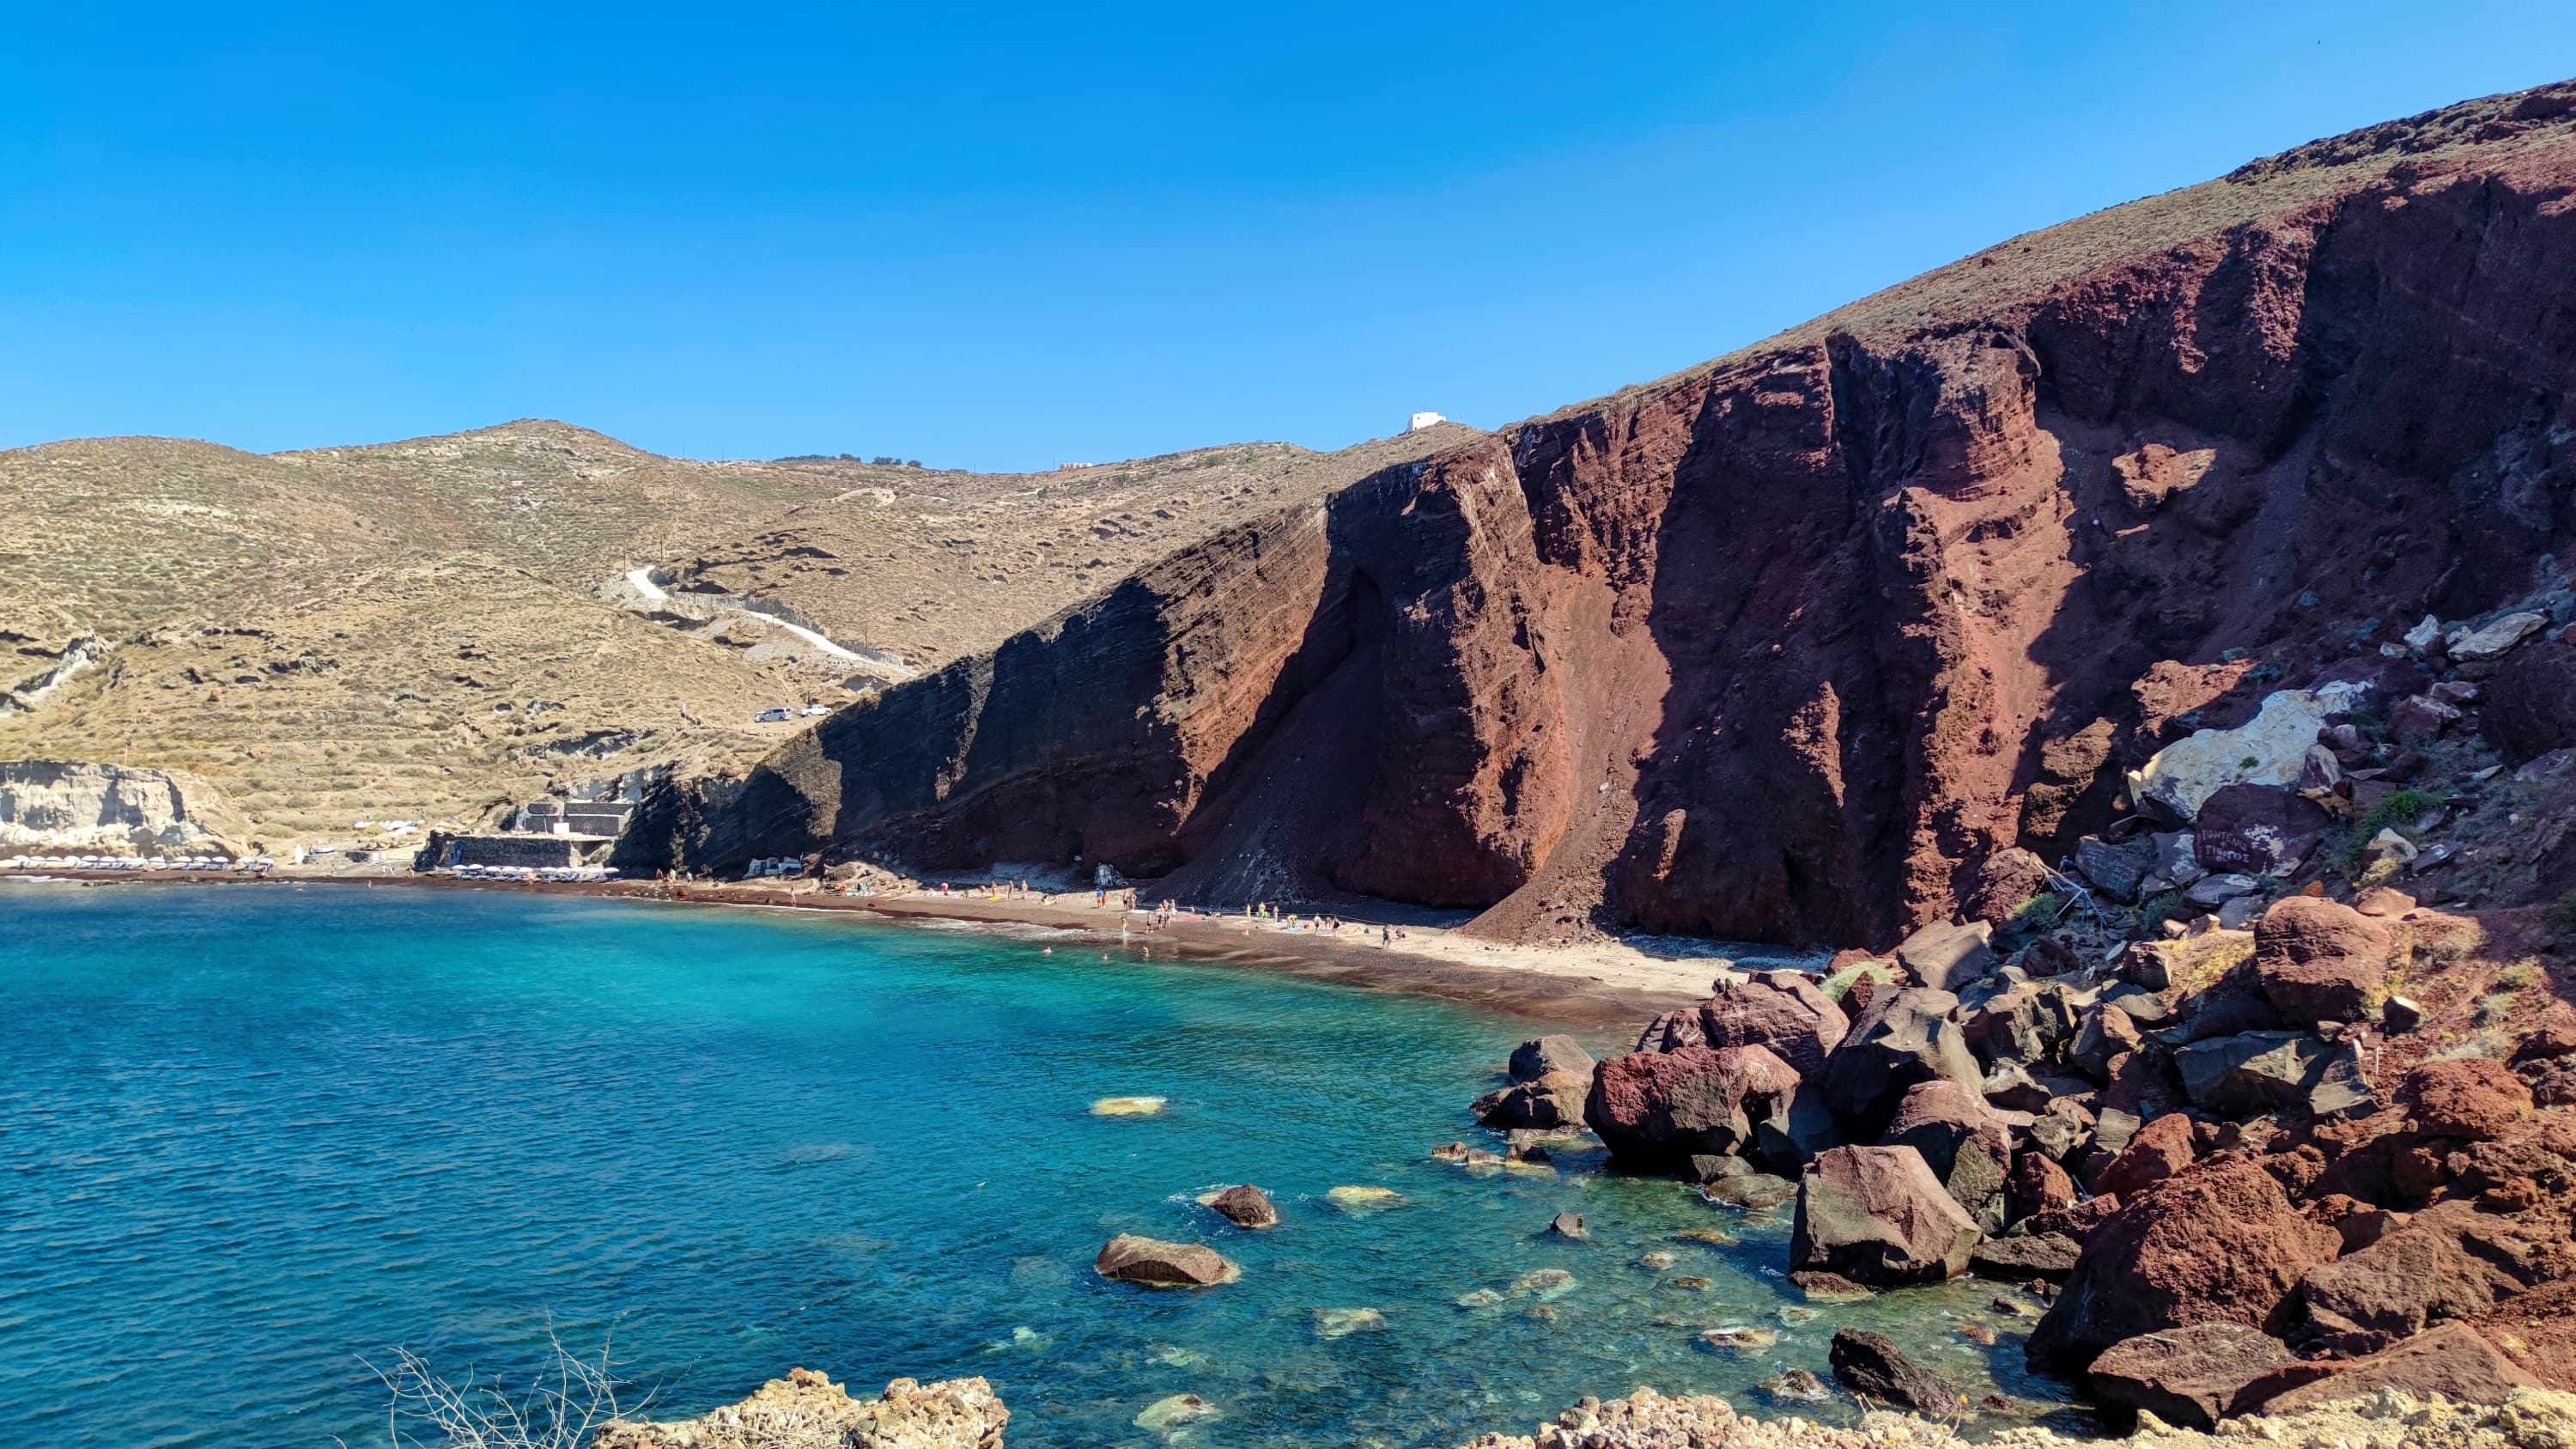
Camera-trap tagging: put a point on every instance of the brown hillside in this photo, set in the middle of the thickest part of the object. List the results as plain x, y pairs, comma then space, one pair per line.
1786, 645
432, 628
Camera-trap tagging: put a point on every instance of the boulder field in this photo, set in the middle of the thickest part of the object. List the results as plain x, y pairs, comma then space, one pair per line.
2251, 1185
1795, 645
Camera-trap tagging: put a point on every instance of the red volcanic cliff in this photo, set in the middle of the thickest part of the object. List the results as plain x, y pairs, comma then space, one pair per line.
1784, 646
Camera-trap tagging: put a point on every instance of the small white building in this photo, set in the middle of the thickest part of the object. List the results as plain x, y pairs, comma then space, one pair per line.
1424, 420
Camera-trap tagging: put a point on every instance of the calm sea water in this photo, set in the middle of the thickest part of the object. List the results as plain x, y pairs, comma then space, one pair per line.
253, 1139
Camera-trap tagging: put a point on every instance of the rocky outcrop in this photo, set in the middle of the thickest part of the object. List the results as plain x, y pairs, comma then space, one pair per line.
1787, 646
807, 1409
70, 805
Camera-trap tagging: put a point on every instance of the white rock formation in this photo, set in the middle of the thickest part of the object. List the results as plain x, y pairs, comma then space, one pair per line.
75, 805
2266, 750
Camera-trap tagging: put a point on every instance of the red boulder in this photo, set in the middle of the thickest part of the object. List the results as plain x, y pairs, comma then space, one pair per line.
2219, 1242
2316, 960
1782, 1011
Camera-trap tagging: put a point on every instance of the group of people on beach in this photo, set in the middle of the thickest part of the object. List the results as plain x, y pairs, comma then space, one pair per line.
1162, 916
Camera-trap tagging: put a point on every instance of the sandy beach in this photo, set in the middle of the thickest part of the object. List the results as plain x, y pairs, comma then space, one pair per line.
1601, 982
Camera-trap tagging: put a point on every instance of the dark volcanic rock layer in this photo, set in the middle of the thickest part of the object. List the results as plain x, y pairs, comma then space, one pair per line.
1784, 647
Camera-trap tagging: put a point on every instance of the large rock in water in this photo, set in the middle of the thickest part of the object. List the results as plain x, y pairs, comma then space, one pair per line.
1870, 1366
807, 1408
2318, 960
1128, 1258
1966, 1144
1243, 1205
2219, 1243
1783, 1011
2189, 1376
1905, 1037
1553, 1102
1657, 1108
1877, 1215
1547, 1055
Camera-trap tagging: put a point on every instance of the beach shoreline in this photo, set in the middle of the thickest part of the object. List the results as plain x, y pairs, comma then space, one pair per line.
1595, 984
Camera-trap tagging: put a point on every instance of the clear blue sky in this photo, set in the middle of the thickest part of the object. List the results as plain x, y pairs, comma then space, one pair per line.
1009, 235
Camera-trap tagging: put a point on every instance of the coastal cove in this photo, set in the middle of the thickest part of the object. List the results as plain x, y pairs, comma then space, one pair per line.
257, 1138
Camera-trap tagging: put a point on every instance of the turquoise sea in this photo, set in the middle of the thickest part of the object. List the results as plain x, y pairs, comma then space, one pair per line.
255, 1138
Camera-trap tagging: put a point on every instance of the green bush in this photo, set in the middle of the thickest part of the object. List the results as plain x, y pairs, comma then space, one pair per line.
2157, 911
2036, 913
2403, 808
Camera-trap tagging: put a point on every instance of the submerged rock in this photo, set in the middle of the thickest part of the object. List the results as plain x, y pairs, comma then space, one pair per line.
1753, 1191
1739, 1339
1172, 1412
1544, 1283
1871, 1367
1363, 1199
1129, 1106
1343, 1322
1797, 1386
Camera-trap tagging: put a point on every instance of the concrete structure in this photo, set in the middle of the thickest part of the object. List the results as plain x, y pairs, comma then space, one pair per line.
446, 851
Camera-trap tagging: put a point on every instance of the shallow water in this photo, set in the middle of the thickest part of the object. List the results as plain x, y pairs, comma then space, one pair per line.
253, 1138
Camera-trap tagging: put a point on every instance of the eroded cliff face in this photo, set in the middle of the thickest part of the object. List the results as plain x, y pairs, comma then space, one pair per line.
56, 805
1784, 647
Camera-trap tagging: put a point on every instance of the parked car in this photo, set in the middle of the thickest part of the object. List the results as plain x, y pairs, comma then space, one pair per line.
778, 715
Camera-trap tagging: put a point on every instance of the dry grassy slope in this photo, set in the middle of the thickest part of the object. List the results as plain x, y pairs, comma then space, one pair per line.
935, 566
418, 629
